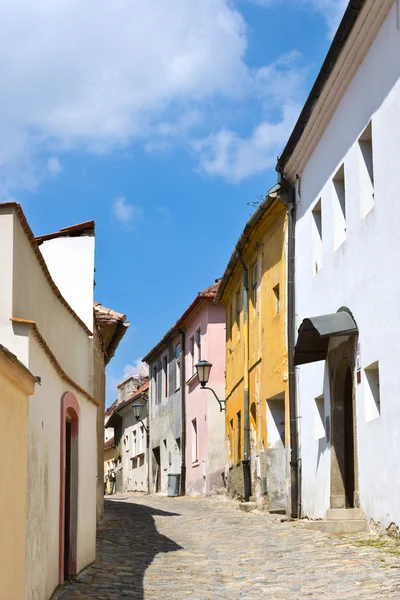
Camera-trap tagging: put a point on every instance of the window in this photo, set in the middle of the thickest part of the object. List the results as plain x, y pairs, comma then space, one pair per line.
134, 441
141, 440
277, 299
165, 376
232, 442
372, 392
194, 441
198, 342
276, 421
238, 310
192, 357
230, 324
367, 195
239, 436
154, 390
316, 235
339, 208
254, 285
177, 366
319, 418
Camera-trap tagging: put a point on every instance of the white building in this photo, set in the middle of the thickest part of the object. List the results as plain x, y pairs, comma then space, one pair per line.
343, 159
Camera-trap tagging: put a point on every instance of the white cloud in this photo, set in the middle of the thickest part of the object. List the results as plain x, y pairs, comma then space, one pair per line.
279, 87
54, 166
94, 75
137, 368
228, 155
126, 213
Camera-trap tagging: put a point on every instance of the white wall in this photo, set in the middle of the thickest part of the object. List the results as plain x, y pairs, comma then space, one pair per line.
70, 261
134, 463
362, 274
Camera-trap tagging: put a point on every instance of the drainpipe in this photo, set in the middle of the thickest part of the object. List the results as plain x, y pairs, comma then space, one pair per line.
183, 413
295, 462
246, 407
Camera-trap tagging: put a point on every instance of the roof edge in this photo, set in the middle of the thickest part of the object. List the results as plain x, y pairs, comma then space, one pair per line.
342, 34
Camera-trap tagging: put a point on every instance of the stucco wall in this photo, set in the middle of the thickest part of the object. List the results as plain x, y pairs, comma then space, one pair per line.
361, 274
43, 507
134, 464
99, 393
206, 473
14, 396
70, 261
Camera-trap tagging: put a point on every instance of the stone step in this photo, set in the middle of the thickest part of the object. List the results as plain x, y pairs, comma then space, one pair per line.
247, 506
344, 514
338, 526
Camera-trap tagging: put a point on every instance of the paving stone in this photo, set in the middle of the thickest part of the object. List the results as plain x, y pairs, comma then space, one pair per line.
154, 547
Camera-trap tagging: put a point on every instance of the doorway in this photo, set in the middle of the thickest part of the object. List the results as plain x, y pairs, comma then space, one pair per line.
157, 473
67, 500
344, 489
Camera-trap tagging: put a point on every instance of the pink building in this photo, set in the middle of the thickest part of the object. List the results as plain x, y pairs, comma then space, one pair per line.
204, 326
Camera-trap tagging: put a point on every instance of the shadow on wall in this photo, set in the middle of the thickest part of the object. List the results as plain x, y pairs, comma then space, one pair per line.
127, 542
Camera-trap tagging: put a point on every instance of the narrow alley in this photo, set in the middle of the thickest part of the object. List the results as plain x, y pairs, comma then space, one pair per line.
206, 549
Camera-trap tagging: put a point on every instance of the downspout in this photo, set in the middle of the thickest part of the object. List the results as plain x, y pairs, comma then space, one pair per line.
183, 414
295, 462
246, 408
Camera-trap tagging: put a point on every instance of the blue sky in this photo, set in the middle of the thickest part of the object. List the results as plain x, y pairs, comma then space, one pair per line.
161, 121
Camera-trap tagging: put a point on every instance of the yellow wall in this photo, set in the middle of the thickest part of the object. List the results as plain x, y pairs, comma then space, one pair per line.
15, 388
267, 365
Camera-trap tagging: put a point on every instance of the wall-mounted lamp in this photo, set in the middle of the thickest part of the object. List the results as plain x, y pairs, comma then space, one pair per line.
203, 369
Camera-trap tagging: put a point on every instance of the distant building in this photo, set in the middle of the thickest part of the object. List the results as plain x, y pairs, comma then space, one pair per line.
186, 427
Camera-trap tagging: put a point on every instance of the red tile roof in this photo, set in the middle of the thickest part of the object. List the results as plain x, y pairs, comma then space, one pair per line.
86, 228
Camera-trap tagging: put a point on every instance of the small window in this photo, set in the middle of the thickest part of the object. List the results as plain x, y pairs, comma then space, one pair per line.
232, 438
254, 285
317, 237
165, 376
277, 299
141, 440
230, 321
239, 437
198, 343
192, 357
367, 192
134, 441
177, 366
195, 457
320, 418
339, 208
372, 392
238, 306
154, 390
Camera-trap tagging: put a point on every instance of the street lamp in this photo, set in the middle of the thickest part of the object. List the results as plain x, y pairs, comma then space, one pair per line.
203, 369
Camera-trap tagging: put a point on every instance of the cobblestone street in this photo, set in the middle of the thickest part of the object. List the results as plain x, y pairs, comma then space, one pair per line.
206, 549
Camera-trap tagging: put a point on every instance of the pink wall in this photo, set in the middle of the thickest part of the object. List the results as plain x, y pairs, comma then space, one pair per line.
205, 473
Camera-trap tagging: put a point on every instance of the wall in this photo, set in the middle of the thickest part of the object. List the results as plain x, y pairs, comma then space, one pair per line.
99, 393
43, 508
267, 366
166, 420
361, 274
204, 472
15, 389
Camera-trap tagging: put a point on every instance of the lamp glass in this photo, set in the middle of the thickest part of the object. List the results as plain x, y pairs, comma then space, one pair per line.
137, 409
203, 368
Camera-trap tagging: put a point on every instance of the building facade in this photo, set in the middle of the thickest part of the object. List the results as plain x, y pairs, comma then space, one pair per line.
204, 326
46, 320
253, 291
342, 160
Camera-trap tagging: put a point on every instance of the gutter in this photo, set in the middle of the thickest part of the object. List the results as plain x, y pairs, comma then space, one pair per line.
346, 25
246, 404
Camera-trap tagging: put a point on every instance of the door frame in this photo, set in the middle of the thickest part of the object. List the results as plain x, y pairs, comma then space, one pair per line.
70, 411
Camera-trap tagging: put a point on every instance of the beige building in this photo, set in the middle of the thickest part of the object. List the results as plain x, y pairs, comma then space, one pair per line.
16, 385
47, 321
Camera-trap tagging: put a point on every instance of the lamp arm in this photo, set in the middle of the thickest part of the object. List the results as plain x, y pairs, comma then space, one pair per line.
147, 429
220, 402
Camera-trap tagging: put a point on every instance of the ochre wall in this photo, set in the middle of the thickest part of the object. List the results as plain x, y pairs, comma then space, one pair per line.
267, 365
15, 389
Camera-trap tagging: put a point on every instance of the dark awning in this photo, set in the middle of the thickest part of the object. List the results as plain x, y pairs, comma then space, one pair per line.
315, 332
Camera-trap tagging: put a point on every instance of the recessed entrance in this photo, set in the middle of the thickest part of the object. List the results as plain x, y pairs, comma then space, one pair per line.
157, 469
344, 492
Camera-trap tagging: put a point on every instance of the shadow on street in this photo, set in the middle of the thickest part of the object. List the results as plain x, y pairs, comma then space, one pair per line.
127, 542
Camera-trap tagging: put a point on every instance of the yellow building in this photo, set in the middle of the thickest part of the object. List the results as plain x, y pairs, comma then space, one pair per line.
253, 291
16, 385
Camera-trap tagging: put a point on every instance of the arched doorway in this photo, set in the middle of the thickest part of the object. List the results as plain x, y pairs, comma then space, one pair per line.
69, 430
344, 485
